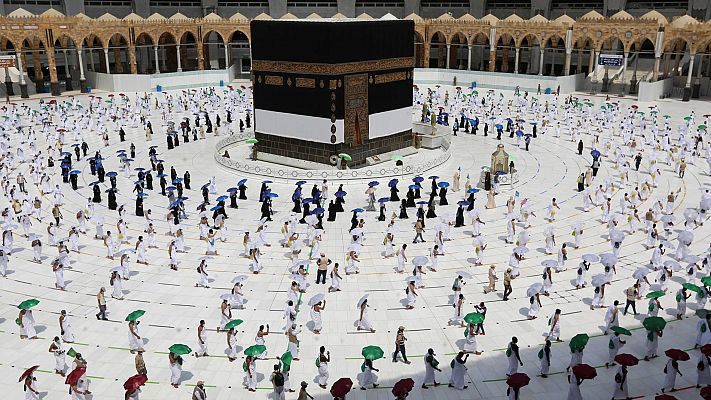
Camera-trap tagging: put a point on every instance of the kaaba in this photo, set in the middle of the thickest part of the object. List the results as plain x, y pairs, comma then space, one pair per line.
327, 87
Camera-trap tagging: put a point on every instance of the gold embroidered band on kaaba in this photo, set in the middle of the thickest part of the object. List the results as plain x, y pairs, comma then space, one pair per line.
290, 67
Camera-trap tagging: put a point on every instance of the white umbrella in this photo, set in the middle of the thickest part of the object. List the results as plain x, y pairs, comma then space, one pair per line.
617, 236
125, 251
608, 259
691, 259
640, 272
675, 266
239, 278
599, 280
317, 298
33, 236
311, 219
533, 289
669, 245
420, 261
411, 278
549, 263
226, 296
591, 258
520, 250
362, 299
356, 231
690, 214
667, 218
205, 258
686, 237
116, 269
464, 274
354, 247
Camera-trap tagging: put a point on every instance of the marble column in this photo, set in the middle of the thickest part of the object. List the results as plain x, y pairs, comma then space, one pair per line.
177, 57
82, 78
155, 56
518, 51
106, 59
540, 61
23, 83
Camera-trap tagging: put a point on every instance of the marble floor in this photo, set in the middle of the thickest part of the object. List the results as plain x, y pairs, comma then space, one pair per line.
174, 304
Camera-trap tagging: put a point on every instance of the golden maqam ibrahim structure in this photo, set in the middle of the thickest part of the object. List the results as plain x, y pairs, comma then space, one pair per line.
52, 48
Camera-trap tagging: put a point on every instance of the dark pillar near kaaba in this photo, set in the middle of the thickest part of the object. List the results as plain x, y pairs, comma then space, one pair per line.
322, 88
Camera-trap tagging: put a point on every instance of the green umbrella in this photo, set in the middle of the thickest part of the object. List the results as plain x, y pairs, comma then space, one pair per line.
687, 118
345, 156
692, 287
621, 330
255, 350
579, 341
251, 141
396, 157
71, 352
475, 92
666, 116
286, 358
372, 352
654, 323
27, 304
702, 126
135, 315
180, 349
640, 112
655, 295
474, 318
233, 324
653, 112
706, 280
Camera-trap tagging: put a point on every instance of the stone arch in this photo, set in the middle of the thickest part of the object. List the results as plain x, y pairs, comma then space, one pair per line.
554, 55
167, 52
673, 52
506, 53
36, 71
529, 53
145, 53
419, 50
188, 51
438, 50
117, 46
213, 50
479, 41
583, 59
238, 51
65, 53
93, 48
458, 51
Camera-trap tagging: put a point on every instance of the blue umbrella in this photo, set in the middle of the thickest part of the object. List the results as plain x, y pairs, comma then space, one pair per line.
533, 123
111, 174
299, 183
139, 169
242, 182
66, 153
317, 211
171, 188
94, 183
162, 175
509, 119
120, 151
463, 203
182, 198
473, 190
307, 200
595, 153
433, 177
499, 126
357, 210
178, 180
216, 208
160, 161
75, 172
142, 195
175, 203
383, 200
500, 173
443, 184
271, 195
373, 183
109, 190
418, 179
138, 182
519, 133
232, 190
421, 202
76, 145
393, 182
413, 187
340, 193
153, 147
222, 198
267, 181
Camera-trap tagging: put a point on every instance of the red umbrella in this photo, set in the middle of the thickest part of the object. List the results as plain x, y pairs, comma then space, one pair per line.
74, 376
341, 387
518, 380
665, 397
584, 371
53, 102
706, 393
706, 349
134, 382
627, 360
29, 371
678, 355
403, 387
